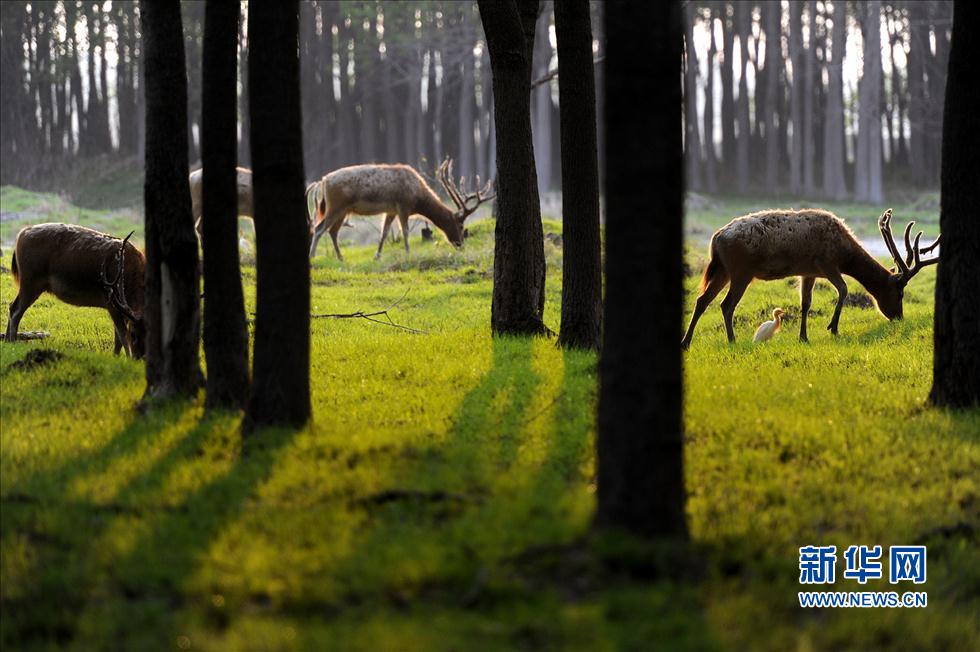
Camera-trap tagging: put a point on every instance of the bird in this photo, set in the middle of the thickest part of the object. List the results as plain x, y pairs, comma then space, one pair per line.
769, 328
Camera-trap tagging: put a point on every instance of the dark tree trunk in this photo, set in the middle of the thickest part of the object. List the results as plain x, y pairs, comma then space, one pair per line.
956, 365
519, 267
743, 22
692, 139
193, 14
640, 430
834, 186
245, 141
225, 334
772, 12
727, 94
281, 371
796, 97
581, 292
172, 279
809, 70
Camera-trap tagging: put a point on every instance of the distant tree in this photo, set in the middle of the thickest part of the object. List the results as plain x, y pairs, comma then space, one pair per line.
867, 164
808, 93
743, 23
956, 364
640, 431
541, 99
281, 369
834, 186
225, 333
796, 96
727, 91
772, 12
581, 290
172, 312
518, 261
692, 138
710, 168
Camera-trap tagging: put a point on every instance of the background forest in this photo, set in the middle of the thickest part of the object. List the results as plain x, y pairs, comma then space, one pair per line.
853, 94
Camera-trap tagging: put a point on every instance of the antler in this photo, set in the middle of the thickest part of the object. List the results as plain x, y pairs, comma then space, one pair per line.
912, 249
463, 203
115, 289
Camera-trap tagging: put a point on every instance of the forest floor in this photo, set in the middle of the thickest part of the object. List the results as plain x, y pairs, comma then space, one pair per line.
442, 497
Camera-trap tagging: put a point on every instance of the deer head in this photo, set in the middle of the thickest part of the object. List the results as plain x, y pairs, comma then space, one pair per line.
115, 290
466, 204
890, 301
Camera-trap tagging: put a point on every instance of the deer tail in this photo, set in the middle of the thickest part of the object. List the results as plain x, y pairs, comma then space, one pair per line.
713, 266
13, 268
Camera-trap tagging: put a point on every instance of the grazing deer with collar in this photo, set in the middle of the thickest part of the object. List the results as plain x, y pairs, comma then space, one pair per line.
81, 267
392, 191
810, 244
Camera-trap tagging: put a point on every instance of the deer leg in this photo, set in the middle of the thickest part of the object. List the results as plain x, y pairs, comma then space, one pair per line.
403, 220
121, 340
334, 232
716, 285
838, 282
389, 218
735, 292
806, 291
24, 300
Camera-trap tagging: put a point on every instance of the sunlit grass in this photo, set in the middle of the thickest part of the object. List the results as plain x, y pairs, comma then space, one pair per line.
442, 496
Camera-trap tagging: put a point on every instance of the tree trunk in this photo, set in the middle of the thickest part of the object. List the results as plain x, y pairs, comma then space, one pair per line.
867, 167
519, 266
743, 20
581, 291
244, 136
834, 186
541, 104
692, 139
809, 70
727, 94
773, 19
281, 372
640, 431
467, 167
796, 97
710, 171
956, 364
918, 53
225, 333
172, 310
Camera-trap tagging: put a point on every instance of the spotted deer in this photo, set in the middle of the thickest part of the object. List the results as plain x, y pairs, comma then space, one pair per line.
811, 244
392, 191
82, 267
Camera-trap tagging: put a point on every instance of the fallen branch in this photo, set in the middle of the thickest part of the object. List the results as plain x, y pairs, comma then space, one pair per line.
554, 73
371, 316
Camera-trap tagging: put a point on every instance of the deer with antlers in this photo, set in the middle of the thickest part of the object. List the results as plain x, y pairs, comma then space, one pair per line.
82, 267
808, 243
392, 191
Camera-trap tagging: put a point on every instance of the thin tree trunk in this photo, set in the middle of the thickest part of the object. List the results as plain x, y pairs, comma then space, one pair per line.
956, 335
581, 291
519, 267
692, 139
225, 333
727, 94
172, 310
467, 166
541, 104
918, 53
834, 186
640, 429
807, 83
281, 371
867, 168
796, 96
773, 20
710, 172
743, 20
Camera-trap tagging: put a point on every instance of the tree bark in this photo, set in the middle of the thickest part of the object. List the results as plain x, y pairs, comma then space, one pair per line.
727, 94
519, 266
773, 20
640, 430
692, 139
541, 104
581, 292
867, 167
834, 186
809, 70
743, 21
956, 335
280, 393
172, 309
796, 97
225, 332
918, 52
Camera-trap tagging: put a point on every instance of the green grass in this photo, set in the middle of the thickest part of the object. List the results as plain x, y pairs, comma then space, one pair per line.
442, 496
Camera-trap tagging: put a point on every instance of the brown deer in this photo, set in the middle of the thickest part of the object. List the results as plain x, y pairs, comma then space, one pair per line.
81, 267
391, 190
244, 179
808, 243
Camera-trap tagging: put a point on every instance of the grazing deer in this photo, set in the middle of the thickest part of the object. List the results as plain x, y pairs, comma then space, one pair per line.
392, 190
81, 267
244, 180
808, 243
